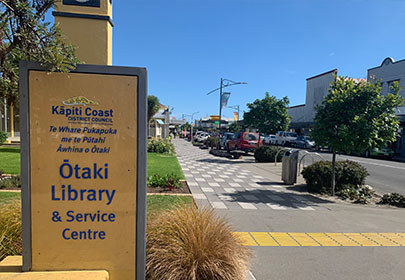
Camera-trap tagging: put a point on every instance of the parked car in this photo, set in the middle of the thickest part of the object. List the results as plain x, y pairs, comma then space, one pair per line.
285, 138
269, 139
244, 141
201, 137
384, 152
304, 142
224, 139
196, 134
377, 152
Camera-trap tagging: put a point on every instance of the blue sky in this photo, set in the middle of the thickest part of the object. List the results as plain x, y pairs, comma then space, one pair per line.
188, 45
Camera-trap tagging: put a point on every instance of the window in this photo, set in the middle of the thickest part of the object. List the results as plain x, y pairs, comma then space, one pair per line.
250, 137
390, 84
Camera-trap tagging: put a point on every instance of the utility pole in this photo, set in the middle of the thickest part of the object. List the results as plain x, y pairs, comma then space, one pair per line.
223, 84
236, 107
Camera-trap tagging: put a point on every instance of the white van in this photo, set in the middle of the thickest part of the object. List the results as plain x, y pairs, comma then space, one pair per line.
286, 138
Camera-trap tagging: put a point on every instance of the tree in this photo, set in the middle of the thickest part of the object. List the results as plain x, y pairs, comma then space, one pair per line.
25, 36
153, 106
234, 127
356, 117
268, 115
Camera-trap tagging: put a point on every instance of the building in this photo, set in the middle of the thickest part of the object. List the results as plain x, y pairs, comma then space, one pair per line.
159, 124
208, 123
302, 116
387, 73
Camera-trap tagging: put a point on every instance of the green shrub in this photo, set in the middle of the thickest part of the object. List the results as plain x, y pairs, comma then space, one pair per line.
268, 154
3, 137
394, 199
161, 146
164, 181
10, 183
192, 244
359, 195
349, 175
10, 230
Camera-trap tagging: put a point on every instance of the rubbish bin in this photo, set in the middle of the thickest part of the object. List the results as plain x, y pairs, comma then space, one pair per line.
289, 167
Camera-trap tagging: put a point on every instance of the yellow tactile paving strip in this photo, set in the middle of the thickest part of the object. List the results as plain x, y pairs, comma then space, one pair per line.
321, 239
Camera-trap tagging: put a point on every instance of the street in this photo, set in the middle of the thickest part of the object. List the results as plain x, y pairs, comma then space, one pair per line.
293, 234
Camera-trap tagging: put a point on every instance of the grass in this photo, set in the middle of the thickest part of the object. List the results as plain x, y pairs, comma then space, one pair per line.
7, 197
158, 203
10, 160
163, 164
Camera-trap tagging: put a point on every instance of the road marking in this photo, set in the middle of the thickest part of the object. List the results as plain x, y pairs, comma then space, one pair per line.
303, 239
284, 239
245, 238
264, 239
321, 239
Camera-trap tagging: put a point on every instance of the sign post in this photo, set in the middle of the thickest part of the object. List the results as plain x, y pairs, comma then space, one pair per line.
83, 147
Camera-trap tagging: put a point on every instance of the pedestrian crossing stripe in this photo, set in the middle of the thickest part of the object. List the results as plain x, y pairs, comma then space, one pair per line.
320, 239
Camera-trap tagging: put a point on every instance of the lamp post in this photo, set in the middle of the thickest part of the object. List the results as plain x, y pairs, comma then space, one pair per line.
236, 107
191, 127
223, 84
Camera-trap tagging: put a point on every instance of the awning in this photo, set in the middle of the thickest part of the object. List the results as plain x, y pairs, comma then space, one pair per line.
160, 122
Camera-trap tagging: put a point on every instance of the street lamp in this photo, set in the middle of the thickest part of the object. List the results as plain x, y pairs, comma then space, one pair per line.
224, 83
236, 107
191, 127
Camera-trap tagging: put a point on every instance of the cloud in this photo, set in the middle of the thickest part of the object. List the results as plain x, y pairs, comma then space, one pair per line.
332, 54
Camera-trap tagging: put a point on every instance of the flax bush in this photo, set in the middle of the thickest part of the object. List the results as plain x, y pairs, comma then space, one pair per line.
192, 244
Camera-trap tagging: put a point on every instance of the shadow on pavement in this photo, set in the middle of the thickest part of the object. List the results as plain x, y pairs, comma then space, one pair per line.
222, 161
290, 200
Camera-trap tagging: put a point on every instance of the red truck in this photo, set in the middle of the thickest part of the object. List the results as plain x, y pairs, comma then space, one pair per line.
244, 141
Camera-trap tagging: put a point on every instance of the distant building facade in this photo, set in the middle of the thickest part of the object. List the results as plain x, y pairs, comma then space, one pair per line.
390, 71
159, 124
387, 73
302, 116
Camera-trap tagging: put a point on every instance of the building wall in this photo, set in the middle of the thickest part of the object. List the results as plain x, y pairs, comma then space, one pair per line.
302, 116
389, 71
317, 89
297, 113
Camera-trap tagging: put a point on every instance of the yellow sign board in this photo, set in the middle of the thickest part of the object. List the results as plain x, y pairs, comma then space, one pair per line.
214, 117
83, 172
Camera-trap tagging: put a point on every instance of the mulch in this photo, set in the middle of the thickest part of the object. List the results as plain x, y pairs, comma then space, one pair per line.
183, 189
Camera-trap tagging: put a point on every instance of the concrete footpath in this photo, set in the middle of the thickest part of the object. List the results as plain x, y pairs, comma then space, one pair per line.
293, 234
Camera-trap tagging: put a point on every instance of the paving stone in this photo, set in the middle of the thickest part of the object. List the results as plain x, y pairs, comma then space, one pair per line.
199, 196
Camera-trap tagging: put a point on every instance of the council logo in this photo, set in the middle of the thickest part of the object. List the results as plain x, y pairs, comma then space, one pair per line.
79, 100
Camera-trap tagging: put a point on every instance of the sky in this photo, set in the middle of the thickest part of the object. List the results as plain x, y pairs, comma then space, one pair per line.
187, 46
